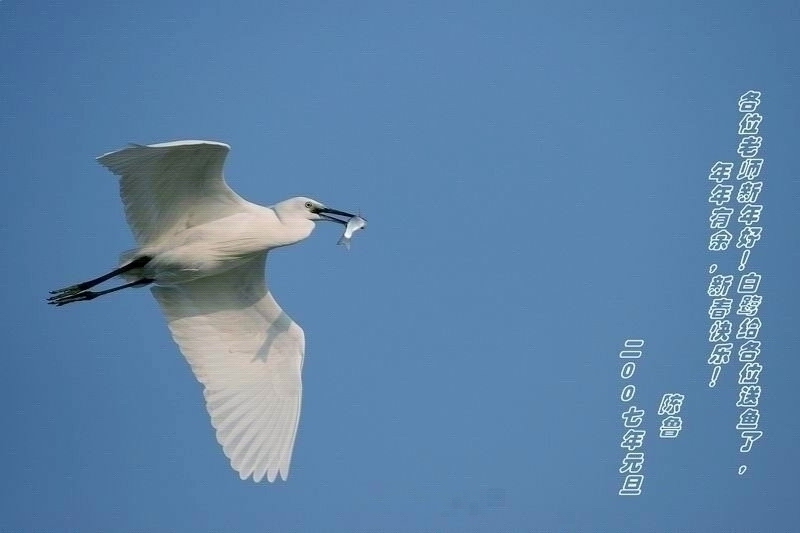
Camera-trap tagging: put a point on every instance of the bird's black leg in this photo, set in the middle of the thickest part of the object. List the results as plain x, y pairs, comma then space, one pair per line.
83, 296
75, 289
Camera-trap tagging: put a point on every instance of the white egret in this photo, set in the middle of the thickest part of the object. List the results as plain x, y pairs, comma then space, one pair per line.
203, 248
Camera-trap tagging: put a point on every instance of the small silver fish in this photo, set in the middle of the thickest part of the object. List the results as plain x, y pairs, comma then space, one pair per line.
354, 224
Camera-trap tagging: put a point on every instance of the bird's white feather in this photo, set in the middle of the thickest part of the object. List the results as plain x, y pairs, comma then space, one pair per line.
207, 249
248, 354
169, 187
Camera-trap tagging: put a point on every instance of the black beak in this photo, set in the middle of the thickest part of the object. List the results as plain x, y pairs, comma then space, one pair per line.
327, 212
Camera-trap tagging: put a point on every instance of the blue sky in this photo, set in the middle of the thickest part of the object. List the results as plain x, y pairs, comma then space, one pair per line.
535, 179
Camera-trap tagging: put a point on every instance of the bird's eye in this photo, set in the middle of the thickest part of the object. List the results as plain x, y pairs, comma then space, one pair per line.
309, 205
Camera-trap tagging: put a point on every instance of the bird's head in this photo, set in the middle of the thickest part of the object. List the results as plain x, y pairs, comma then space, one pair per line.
310, 209
298, 216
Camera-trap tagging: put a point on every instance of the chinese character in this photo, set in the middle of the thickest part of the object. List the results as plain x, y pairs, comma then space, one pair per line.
749, 169
720, 240
749, 396
720, 172
721, 194
720, 331
751, 437
719, 308
749, 146
633, 417
749, 236
749, 191
628, 393
719, 285
749, 124
748, 284
633, 439
632, 485
671, 404
749, 304
749, 374
720, 216
749, 328
749, 101
747, 420
721, 354
670, 427
632, 463
749, 351
628, 370
750, 213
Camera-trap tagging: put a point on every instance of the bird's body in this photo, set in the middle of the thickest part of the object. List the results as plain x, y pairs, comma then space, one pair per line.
203, 248
215, 247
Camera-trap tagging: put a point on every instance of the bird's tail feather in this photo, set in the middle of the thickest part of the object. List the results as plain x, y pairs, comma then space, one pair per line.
128, 255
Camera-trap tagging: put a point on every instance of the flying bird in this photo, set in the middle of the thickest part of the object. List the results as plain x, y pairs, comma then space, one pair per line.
202, 250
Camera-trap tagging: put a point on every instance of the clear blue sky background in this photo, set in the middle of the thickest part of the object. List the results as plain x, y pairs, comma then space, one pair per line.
534, 175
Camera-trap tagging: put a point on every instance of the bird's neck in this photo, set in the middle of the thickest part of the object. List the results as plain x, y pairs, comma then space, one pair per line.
293, 230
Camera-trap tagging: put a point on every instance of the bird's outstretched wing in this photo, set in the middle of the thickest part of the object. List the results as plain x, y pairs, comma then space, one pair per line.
248, 354
172, 186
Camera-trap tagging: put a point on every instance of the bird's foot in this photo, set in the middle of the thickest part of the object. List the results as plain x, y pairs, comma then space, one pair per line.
70, 297
67, 291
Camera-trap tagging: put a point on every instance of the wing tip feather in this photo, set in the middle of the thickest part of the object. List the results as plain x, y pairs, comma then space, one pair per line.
106, 158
